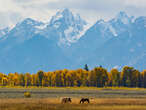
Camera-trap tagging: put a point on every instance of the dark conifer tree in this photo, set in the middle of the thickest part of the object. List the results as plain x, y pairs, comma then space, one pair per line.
86, 67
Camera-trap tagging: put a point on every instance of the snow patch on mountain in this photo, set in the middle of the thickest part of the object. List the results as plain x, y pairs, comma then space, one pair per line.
41, 27
3, 32
105, 26
56, 25
125, 20
69, 34
113, 30
57, 17
85, 28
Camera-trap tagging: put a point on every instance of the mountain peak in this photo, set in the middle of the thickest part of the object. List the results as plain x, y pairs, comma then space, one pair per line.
101, 21
122, 14
28, 21
123, 17
70, 26
141, 21
65, 14
65, 11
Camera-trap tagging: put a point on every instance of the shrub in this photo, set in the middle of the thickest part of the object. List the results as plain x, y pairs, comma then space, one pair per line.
27, 94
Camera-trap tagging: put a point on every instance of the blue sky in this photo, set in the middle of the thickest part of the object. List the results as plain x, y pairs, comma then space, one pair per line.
12, 11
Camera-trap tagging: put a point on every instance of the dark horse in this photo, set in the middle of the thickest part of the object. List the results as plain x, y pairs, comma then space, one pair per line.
83, 100
66, 100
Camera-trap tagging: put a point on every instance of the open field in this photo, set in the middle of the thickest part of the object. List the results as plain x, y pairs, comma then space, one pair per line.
50, 99
54, 104
73, 92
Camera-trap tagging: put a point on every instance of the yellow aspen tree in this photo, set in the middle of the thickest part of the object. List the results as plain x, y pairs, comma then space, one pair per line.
45, 81
126, 76
40, 75
70, 78
33, 80
144, 78
63, 75
115, 77
50, 79
58, 78
92, 78
135, 78
27, 79
1, 77
101, 75
4, 80
16, 79
11, 79
21, 79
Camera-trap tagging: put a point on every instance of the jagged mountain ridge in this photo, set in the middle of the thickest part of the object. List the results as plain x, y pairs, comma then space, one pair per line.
127, 48
63, 43
66, 26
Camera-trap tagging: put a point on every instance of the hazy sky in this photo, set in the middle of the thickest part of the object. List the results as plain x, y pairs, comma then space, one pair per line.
12, 11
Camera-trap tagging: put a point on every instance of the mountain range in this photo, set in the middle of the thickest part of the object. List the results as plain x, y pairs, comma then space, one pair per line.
66, 41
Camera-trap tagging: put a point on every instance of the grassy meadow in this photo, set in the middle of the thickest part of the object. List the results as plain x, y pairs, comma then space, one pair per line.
50, 99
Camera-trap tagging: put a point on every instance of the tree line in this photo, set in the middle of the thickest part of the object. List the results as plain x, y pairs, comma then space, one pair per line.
97, 77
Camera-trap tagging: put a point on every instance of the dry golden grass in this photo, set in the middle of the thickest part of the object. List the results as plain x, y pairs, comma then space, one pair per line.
49, 98
55, 104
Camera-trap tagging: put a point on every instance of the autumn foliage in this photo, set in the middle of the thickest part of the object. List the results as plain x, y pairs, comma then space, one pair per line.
98, 77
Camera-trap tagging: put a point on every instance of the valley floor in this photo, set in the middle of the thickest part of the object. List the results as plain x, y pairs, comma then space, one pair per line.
54, 104
50, 99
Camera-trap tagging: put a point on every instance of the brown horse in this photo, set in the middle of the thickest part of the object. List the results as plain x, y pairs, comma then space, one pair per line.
66, 100
83, 100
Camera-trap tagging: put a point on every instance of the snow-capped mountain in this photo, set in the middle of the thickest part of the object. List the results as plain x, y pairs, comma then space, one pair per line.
32, 45
127, 48
100, 33
24, 30
117, 42
68, 27
121, 23
65, 42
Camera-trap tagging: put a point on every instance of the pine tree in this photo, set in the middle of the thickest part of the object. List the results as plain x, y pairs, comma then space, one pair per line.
86, 67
